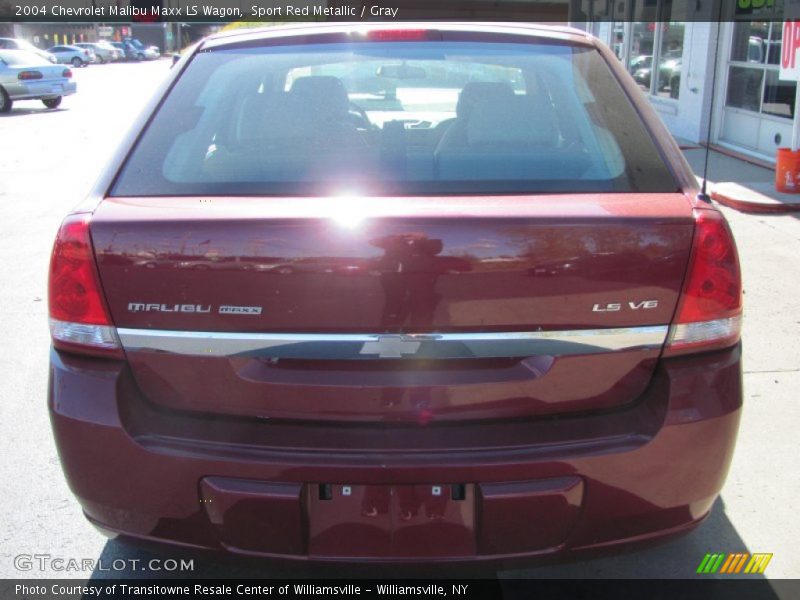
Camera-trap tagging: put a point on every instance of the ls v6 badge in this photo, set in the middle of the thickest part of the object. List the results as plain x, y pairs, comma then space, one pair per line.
618, 306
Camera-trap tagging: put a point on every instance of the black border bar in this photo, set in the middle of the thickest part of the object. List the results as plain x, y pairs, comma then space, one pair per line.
222, 11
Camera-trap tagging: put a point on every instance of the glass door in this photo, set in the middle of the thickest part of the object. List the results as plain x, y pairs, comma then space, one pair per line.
759, 107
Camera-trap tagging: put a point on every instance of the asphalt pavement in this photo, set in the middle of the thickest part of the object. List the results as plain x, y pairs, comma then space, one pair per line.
48, 159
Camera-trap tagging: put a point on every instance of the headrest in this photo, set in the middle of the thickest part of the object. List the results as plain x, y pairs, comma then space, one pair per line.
253, 114
321, 95
519, 120
478, 91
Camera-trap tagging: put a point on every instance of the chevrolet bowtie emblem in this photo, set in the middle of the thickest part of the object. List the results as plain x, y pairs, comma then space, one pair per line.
394, 346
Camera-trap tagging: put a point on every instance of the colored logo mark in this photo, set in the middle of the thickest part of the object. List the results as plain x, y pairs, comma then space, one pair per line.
740, 562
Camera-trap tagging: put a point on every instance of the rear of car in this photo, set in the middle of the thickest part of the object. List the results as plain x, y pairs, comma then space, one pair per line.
120, 48
108, 51
27, 76
72, 55
137, 50
89, 53
98, 52
438, 292
127, 51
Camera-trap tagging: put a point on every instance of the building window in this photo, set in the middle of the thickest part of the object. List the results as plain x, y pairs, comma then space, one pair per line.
640, 64
670, 57
653, 46
618, 40
753, 82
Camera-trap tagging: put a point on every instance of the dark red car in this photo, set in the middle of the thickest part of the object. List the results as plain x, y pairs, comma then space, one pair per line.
445, 401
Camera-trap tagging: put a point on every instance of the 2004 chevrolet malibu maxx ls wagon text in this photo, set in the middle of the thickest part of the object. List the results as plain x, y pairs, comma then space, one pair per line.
443, 292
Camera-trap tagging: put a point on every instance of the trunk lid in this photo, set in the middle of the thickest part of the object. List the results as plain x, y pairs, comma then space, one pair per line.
312, 308
49, 72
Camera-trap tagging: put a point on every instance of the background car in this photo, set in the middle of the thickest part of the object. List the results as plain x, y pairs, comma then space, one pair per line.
142, 52
103, 51
643, 61
27, 76
114, 50
643, 72
670, 64
128, 51
73, 55
18, 44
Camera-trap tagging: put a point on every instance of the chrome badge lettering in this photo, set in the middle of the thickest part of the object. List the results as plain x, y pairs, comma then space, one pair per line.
618, 306
646, 304
168, 308
239, 310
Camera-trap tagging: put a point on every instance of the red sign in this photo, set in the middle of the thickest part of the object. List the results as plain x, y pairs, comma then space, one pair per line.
790, 67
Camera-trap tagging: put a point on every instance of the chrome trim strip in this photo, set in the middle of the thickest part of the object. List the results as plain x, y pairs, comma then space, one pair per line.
313, 346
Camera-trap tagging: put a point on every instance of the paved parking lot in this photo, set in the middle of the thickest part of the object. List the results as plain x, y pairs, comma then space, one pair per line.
48, 159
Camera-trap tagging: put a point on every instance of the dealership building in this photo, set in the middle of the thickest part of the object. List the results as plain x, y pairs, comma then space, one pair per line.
743, 107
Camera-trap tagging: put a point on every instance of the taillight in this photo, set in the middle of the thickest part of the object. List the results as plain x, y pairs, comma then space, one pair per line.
66, 73
79, 319
709, 312
28, 75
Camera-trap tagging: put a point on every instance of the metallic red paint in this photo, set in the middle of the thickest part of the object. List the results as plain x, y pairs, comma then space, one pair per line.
600, 479
153, 455
506, 264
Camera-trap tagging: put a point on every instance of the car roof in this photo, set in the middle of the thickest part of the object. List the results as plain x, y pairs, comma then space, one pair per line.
17, 52
16, 40
533, 30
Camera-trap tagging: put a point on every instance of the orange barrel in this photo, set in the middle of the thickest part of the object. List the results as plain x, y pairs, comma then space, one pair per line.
787, 171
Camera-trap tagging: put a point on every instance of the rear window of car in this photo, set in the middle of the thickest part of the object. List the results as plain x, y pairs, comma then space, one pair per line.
395, 118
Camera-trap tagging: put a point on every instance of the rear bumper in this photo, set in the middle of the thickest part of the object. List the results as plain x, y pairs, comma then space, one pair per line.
35, 91
457, 493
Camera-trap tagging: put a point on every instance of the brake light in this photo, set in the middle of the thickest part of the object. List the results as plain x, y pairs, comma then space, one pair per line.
29, 75
66, 73
79, 319
399, 35
710, 309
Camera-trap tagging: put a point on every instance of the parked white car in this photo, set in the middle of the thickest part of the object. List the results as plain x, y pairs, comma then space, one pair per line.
142, 52
18, 44
72, 55
103, 51
27, 76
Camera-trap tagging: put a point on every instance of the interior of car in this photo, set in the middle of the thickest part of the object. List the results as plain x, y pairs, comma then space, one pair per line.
314, 128
470, 119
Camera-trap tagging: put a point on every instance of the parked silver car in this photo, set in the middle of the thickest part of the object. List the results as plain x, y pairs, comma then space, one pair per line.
73, 55
103, 51
142, 52
152, 52
18, 44
27, 76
